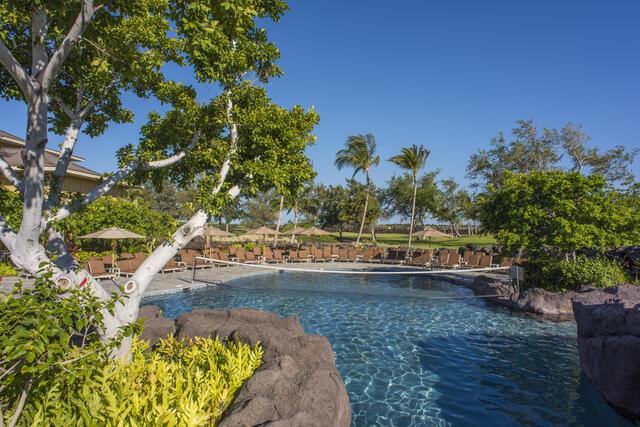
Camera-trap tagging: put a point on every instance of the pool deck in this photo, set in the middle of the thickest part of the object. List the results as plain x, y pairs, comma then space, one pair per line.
182, 281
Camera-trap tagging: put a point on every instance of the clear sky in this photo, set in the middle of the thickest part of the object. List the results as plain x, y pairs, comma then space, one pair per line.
447, 74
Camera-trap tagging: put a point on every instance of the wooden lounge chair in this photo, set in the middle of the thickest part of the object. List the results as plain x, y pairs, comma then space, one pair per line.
485, 261
172, 266
318, 255
326, 253
420, 257
250, 258
352, 254
304, 255
335, 253
342, 254
269, 257
279, 255
140, 256
367, 255
474, 261
443, 259
98, 271
187, 258
397, 256
293, 255
125, 267
453, 261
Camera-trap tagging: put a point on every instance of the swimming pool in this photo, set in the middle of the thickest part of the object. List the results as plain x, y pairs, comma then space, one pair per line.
411, 352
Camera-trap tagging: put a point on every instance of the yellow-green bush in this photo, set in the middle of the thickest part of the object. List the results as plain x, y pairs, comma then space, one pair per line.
7, 269
180, 383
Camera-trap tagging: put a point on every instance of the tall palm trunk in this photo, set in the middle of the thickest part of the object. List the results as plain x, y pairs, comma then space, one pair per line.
364, 214
275, 239
295, 223
413, 207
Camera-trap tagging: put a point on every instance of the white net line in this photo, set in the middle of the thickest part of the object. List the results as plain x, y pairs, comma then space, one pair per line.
322, 270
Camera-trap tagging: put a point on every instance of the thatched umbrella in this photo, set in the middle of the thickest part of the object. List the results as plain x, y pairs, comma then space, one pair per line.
210, 232
112, 233
430, 232
315, 231
262, 231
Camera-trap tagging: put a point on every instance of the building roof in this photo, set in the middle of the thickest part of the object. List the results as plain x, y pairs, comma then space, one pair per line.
11, 145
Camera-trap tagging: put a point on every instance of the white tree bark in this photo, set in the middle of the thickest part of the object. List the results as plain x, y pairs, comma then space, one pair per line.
413, 207
366, 205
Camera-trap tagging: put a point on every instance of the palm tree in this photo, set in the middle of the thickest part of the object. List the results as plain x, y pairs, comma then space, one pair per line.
359, 154
412, 159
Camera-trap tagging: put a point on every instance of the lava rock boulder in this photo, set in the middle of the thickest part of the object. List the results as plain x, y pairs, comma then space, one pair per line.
608, 323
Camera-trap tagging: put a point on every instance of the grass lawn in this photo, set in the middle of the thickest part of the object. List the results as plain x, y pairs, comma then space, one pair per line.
392, 239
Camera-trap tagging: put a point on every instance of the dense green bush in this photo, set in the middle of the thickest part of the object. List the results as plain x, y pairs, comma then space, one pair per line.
179, 383
135, 216
49, 353
555, 274
7, 269
46, 331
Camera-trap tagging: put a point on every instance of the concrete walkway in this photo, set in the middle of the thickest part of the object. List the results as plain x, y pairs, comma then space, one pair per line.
179, 281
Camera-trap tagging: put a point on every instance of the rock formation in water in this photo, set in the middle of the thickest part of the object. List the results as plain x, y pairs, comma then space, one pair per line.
608, 322
533, 300
298, 383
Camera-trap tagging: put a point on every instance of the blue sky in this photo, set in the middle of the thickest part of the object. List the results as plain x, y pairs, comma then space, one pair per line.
448, 75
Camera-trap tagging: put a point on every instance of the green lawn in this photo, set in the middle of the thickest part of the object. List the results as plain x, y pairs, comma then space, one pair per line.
392, 239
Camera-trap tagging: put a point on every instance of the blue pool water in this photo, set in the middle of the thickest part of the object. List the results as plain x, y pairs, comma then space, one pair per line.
410, 355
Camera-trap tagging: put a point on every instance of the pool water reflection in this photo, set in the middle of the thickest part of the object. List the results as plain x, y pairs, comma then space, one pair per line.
409, 354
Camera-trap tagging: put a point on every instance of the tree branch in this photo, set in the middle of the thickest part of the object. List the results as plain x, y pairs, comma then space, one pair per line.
64, 107
71, 39
19, 74
7, 234
117, 177
11, 175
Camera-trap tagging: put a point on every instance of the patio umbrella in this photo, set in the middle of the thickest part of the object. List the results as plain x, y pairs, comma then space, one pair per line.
315, 231
112, 233
430, 232
210, 232
262, 231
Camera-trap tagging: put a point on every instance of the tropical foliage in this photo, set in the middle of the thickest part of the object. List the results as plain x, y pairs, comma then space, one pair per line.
359, 154
188, 382
564, 211
413, 159
554, 274
136, 216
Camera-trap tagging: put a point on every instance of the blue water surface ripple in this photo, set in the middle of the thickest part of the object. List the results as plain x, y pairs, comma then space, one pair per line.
410, 354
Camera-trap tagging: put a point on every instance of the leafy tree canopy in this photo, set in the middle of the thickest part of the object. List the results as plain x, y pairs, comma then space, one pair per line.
398, 196
564, 211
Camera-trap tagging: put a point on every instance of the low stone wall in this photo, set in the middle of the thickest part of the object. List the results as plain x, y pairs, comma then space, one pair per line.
298, 383
608, 322
533, 300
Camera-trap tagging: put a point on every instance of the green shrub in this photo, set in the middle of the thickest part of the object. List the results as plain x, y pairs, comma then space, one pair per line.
46, 331
187, 382
554, 274
7, 269
598, 272
83, 255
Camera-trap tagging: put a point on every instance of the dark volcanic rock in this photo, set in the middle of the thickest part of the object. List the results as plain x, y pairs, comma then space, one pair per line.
608, 322
155, 326
298, 383
534, 300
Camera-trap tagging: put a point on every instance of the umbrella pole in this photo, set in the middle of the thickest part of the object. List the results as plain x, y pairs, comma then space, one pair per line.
429, 248
113, 254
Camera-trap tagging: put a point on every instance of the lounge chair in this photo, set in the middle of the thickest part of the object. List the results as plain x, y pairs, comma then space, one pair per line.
318, 255
188, 260
304, 255
279, 255
335, 253
367, 255
269, 257
420, 257
474, 261
293, 255
453, 261
342, 254
352, 254
443, 259
326, 253
172, 266
98, 271
485, 261
397, 256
